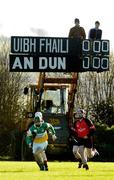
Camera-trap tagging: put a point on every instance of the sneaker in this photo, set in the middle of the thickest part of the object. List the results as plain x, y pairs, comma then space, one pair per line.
86, 166
42, 167
96, 153
80, 164
46, 167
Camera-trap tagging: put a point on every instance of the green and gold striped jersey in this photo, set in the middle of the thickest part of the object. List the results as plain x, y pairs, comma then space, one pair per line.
38, 134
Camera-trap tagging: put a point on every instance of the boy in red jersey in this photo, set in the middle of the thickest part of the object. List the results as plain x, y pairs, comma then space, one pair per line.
83, 131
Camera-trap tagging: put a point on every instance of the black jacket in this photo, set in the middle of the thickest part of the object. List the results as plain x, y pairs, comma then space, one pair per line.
95, 34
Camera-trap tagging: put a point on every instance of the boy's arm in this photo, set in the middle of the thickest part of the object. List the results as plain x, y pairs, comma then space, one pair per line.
29, 138
91, 127
51, 130
83, 33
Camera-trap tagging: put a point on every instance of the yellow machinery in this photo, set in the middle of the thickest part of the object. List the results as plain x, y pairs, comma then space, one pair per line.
54, 96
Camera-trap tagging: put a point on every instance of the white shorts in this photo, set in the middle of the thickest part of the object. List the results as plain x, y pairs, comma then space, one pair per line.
41, 146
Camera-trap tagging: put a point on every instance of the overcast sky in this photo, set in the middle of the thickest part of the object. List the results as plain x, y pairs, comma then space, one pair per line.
55, 17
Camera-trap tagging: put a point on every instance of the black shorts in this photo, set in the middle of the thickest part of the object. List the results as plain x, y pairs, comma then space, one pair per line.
86, 142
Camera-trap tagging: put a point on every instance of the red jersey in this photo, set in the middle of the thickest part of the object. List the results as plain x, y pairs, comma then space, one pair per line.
81, 127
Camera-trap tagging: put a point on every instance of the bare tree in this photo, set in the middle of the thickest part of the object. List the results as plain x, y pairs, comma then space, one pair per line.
94, 88
11, 96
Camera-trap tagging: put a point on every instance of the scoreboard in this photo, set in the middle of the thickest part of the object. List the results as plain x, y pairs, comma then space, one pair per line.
52, 54
95, 55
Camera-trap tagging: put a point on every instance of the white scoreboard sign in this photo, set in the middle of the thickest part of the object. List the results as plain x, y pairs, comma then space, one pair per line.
51, 54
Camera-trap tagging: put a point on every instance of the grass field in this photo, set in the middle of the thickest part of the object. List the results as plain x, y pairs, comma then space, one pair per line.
10, 170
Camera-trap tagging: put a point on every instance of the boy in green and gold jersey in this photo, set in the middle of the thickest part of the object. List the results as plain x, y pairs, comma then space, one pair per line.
37, 139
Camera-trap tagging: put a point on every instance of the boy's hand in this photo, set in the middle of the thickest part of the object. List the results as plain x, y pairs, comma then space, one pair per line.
30, 145
54, 137
85, 137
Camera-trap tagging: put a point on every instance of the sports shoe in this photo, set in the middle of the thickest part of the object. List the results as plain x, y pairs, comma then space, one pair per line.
86, 166
42, 168
80, 164
46, 167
